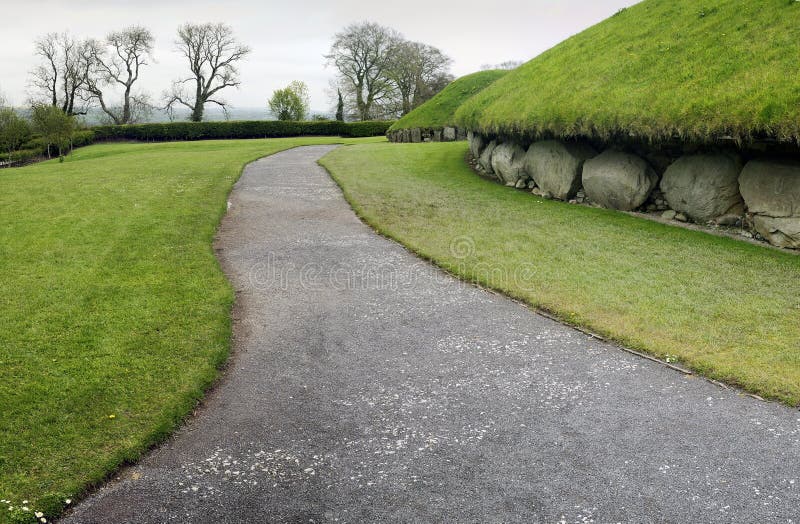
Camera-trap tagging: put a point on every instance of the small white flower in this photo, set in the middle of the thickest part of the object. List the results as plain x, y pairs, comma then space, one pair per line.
68, 501
24, 501
25, 508
39, 514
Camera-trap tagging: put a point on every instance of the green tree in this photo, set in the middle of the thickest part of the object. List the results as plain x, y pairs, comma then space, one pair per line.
290, 103
340, 107
14, 130
54, 125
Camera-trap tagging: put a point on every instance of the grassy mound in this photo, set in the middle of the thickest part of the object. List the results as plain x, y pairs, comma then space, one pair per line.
440, 110
657, 70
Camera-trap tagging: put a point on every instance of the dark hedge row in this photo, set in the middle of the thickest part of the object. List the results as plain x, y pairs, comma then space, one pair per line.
245, 129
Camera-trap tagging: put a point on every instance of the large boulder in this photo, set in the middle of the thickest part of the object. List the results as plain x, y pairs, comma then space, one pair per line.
508, 162
485, 159
476, 144
771, 190
556, 166
704, 186
618, 180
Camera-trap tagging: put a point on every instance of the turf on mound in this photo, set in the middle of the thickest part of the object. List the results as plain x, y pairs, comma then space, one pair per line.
440, 110
660, 69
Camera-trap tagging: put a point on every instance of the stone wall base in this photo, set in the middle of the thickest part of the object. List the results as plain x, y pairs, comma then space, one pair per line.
417, 135
755, 191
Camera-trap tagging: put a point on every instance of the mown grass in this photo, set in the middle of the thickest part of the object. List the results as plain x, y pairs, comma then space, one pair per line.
727, 309
662, 68
115, 314
440, 110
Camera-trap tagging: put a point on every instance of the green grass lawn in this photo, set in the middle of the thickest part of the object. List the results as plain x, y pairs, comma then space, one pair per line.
728, 309
440, 110
114, 311
660, 68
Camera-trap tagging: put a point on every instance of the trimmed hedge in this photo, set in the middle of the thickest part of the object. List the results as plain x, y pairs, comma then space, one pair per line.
243, 129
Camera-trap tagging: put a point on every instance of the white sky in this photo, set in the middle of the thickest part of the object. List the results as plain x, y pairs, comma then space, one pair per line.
289, 38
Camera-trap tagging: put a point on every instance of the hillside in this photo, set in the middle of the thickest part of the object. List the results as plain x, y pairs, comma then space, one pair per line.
659, 69
439, 111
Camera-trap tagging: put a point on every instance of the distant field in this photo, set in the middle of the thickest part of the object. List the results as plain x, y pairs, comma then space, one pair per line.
440, 110
115, 314
728, 309
661, 68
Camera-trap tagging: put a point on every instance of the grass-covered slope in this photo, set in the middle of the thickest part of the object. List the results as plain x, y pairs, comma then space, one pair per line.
698, 70
440, 110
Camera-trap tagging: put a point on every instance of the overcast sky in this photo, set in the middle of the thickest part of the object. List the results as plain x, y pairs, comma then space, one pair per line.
289, 38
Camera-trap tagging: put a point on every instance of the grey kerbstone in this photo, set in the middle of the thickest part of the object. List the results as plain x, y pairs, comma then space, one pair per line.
449, 134
477, 143
704, 186
783, 232
485, 159
416, 135
670, 214
771, 190
556, 166
618, 180
508, 162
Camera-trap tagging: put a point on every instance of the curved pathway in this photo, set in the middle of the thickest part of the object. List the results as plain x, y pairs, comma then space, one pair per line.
367, 386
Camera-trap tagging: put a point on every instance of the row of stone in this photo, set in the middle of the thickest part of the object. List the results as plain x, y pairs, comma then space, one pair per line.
417, 134
707, 188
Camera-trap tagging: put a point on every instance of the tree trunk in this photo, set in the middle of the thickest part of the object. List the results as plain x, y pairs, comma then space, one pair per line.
197, 113
126, 106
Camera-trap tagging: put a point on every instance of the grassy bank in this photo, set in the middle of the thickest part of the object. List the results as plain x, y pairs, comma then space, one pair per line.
440, 110
114, 311
728, 309
658, 69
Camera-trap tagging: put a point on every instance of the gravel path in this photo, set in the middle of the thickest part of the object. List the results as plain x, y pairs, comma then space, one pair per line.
367, 386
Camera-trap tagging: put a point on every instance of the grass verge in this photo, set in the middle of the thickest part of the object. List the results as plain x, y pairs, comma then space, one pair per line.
115, 314
727, 309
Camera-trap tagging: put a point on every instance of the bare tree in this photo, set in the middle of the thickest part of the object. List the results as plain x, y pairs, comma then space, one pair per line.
212, 52
361, 55
118, 63
418, 72
62, 76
